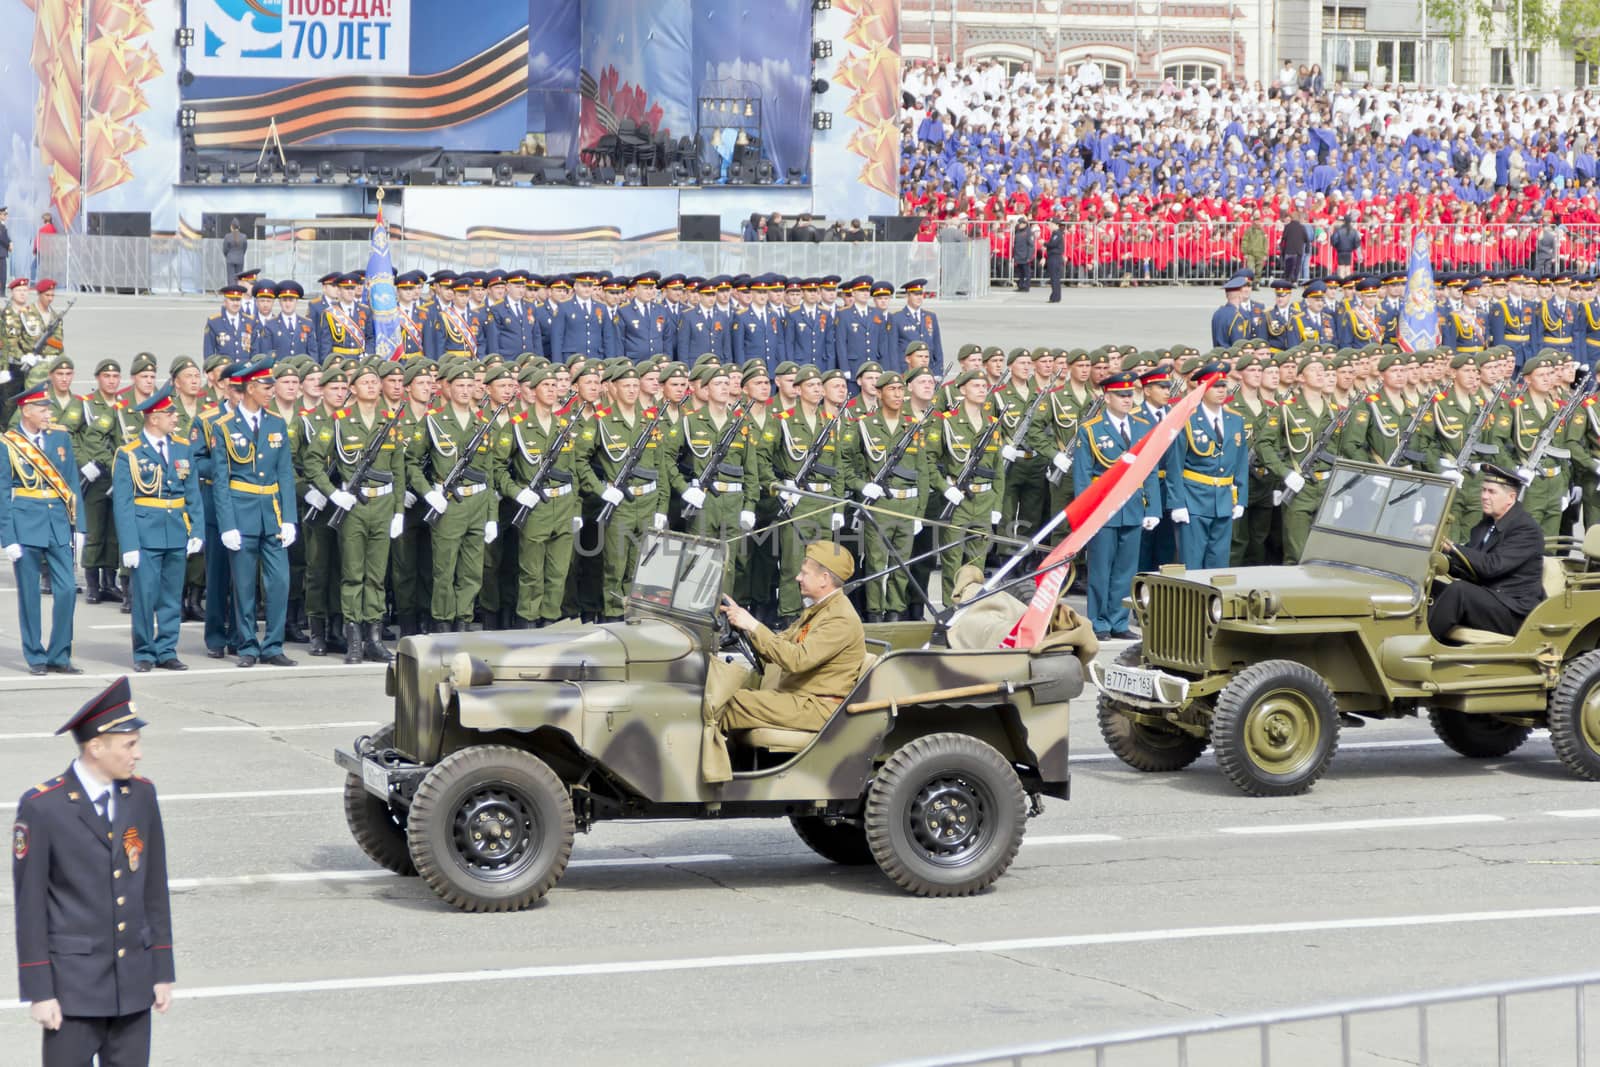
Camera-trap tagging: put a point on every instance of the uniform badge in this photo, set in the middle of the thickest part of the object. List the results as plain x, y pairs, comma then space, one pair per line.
133, 846
274, 440
182, 466
19, 841
222, 338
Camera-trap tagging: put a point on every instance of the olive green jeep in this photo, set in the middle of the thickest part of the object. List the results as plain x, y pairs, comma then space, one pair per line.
1263, 663
505, 743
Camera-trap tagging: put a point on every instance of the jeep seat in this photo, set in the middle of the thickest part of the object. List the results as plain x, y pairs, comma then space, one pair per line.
1591, 546
778, 739
1555, 584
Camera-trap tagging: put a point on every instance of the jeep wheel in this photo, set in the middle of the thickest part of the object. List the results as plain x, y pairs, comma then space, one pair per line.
1142, 747
378, 827
843, 842
1275, 729
1574, 717
491, 828
945, 816
1477, 736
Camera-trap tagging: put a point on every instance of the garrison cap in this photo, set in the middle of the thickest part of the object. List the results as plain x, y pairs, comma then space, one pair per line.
621, 371
111, 712
105, 365
869, 367
753, 369
181, 364
160, 400
788, 366
807, 373
835, 559
967, 376
892, 378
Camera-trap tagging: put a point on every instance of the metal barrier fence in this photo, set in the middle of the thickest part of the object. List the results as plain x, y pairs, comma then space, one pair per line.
1208, 253
1549, 1043
956, 269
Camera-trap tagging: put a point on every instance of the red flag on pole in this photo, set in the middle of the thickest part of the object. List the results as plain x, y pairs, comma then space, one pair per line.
1091, 510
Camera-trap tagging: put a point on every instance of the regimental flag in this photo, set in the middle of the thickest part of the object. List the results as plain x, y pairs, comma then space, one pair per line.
1419, 314
389, 337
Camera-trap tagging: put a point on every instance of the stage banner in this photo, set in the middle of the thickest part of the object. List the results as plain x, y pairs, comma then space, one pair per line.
767, 46
636, 64
297, 38
555, 73
858, 159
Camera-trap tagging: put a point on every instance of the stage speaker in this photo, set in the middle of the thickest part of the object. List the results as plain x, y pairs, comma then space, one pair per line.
895, 227
215, 223
705, 228
119, 223
655, 179
427, 176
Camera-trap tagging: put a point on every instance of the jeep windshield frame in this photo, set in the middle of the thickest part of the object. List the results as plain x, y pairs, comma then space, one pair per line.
1380, 519
678, 577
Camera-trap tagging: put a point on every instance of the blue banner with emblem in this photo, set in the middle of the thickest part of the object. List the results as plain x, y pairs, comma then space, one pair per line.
381, 293
1419, 314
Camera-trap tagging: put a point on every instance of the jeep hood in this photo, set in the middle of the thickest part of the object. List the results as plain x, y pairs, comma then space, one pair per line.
1311, 590
515, 654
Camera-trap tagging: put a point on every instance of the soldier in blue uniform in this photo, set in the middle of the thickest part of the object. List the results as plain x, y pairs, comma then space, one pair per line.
513, 328
1114, 551
1237, 319
704, 328
544, 310
811, 336
254, 494
93, 920
759, 331
579, 327
912, 323
39, 526
344, 328
647, 327
858, 328
1511, 320
289, 333
155, 499
1208, 481
1557, 324
220, 636
409, 313
230, 333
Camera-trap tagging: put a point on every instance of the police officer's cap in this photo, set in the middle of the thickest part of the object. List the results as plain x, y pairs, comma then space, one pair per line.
1237, 282
1156, 376
516, 277
882, 289
159, 400
561, 281
867, 368
672, 281
861, 282
232, 291
1367, 284
249, 274
112, 712
411, 279
1495, 474
264, 287
142, 362
1283, 285
1316, 288
915, 286
1123, 382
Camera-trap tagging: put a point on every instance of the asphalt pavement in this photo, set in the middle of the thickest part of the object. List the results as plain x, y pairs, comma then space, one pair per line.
1145, 900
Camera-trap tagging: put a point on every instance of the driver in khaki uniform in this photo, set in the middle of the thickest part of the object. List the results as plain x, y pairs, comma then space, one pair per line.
820, 655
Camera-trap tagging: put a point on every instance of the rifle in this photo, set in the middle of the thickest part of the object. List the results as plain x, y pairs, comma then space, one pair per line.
893, 456
1025, 423
714, 460
369, 456
1469, 444
1319, 447
1055, 473
1402, 449
547, 463
809, 461
630, 462
463, 461
49, 328
1551, 428
970, 467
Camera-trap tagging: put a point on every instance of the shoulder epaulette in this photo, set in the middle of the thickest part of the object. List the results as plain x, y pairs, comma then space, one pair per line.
179, 440
215, 317
44, 787
1372, 398
129, 447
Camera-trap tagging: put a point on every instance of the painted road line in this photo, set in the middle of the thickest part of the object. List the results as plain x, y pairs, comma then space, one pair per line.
1578, 813
275, 729
1361, 824
873, 952
1071, 839
370, 874
69, 681
167, 798
1344, 746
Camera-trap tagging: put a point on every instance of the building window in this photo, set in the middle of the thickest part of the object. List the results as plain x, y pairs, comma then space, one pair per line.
1184, 73
1500, 67
1397, 62
1344, 18
1586, 73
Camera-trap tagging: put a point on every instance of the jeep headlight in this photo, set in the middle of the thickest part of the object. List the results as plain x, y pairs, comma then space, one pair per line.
468, 672
1214, 609
1141, 595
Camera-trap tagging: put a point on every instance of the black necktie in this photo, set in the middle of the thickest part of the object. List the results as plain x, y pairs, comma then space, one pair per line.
161, 447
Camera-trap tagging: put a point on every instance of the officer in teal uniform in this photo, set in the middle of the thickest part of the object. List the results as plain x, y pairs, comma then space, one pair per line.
1208, 478
254, 494
220, 637
1114, 550
156, 503
39, 526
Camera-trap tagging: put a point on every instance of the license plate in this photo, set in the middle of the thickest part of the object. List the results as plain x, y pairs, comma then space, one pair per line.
375, 778
1131, 681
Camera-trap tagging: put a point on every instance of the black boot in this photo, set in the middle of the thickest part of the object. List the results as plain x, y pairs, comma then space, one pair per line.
875, 616
519, 623
336, 641
291, 625
111, 588
373, 648
122, 588
408, 625
442, 626
44, 583
194, 605
319, 635
352, 642
386, 630
91, 585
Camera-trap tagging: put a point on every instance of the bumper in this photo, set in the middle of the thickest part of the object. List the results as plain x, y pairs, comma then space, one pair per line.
1140, 686
386, 776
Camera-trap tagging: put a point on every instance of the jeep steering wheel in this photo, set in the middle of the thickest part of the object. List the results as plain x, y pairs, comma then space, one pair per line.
728, 637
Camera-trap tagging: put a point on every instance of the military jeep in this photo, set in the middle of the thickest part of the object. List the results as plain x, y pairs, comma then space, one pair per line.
504, 744
1263, 663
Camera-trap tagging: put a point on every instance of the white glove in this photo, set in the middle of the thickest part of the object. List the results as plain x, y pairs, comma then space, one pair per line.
658, 522
789, 500
695, 497
1526, 474
1150, 522
436, 500
529, 499
1449, 462
788, 483
747, 520
5, 376
1010, 453
1293, 482
411, 499
1571, 498
13, 552
90, 471
994, 518
1455, 476
1596, 466
342, 500
1277, 497
397, 526
836, 520
232, 541
193, 546
612, 495
872, 491
916, 527
577, 525
78, 541
1238, 512
491, 530
955, 496
1180, 515
30, 361
130, 560
315, 498
1062, 462
286, 534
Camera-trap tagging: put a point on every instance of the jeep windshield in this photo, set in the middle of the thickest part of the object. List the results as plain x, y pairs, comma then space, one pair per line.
1380, 518
679, 573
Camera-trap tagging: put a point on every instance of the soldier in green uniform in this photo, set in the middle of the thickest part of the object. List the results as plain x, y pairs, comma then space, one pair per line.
1283, 443
373, 510
922, 403
720, 502
1252, 533
544, 551
977, 502
464, 516
808, 519
1064, 411
1548, 479
1454, 410
410, 554
1381, 416
21, 326
641, 504
586, 577
756, 576
109, 422
314, 438
896, 494
1027, 499
497, 593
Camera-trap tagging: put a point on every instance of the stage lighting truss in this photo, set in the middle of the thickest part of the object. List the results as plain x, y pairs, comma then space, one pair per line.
821, 49
822, 120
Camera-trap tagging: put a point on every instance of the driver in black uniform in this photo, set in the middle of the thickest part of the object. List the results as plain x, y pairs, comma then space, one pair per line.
1499, 572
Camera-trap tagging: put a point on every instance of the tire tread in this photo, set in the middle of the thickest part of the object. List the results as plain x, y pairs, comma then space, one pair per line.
1234, 761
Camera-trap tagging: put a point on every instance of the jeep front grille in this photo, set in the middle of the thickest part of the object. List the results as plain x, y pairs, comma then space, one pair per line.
407, 706
1175, 626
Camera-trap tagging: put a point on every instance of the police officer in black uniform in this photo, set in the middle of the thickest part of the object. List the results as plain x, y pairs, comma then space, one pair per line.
89, 867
